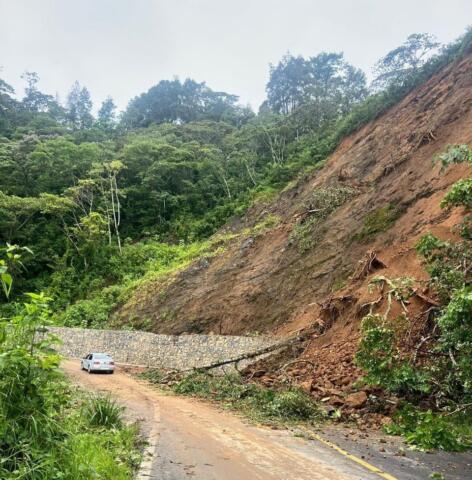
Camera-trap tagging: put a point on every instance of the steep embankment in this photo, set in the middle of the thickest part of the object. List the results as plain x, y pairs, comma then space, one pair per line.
313, 268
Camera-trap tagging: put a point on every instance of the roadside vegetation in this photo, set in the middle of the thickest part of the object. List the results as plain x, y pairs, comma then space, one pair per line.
48, 430
432, 376
254, 401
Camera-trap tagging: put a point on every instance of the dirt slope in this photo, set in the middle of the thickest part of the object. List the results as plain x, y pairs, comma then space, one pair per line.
263, 283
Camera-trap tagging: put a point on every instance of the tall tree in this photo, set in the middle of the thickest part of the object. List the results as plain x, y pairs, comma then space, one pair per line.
316, 91
11, 111
107, 114
285, 89
403, 62
79, 107
35, 100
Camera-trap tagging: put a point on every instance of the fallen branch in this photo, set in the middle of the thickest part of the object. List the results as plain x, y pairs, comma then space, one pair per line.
420, 344
297, 361
254, 373
426, 299
307, 212
257, 353
370, 262
459, 409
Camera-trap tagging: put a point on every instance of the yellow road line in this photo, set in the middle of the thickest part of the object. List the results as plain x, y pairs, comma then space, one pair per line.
352, 457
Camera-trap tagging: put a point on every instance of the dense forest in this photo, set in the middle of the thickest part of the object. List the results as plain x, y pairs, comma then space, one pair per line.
94, 205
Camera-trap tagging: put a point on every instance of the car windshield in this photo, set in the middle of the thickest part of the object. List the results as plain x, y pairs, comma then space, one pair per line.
100, 355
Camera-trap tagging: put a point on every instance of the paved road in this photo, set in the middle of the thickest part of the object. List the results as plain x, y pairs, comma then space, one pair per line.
190, 439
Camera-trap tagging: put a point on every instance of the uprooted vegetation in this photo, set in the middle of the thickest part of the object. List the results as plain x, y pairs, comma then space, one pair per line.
256, 402
321, 204
397, 346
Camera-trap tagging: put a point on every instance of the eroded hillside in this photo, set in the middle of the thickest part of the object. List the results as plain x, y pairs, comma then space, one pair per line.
306, 259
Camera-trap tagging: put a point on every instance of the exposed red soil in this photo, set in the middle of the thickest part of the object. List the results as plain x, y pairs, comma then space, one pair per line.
264, 284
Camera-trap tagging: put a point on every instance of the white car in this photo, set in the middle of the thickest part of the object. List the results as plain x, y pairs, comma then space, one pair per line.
97, 362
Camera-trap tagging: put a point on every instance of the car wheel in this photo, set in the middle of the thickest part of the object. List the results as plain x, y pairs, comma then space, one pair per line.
90, 371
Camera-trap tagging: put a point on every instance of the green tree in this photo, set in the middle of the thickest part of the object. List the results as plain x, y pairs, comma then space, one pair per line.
315, 91
35, 100
11, 111
171, 101
405, 61
107, 114
79, 107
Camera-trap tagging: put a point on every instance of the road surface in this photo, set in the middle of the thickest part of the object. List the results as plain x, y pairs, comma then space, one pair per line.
193, 440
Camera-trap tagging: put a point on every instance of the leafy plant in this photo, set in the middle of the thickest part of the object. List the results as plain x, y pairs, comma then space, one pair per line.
455, 154
448, 264
381, 358
11, 261
459, 195
427, 430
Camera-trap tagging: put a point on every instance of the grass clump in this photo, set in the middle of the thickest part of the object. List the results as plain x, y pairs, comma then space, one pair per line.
378, 221
254, 401
269, 222
99, 444
103, 412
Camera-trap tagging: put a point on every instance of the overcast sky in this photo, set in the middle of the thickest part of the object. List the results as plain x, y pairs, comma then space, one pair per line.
122, 47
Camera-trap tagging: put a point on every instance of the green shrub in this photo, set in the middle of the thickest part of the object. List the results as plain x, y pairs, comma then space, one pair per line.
455, 154
447, 264
92, 313
459, 195
456, 340
292, 404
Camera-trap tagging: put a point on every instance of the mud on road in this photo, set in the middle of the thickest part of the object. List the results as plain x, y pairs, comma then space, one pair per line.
190, 439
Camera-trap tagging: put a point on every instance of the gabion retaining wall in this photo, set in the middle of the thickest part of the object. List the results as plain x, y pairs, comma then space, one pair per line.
161, 351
